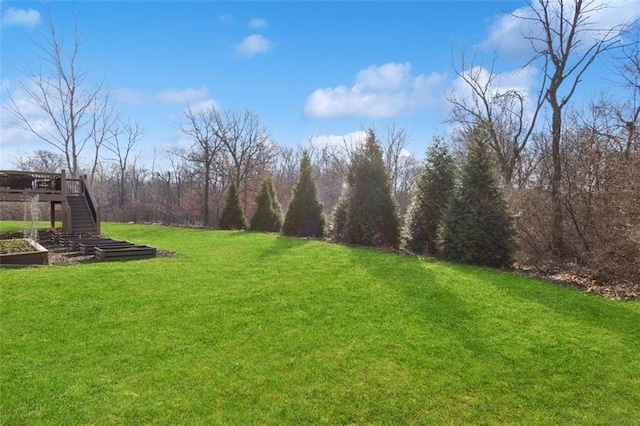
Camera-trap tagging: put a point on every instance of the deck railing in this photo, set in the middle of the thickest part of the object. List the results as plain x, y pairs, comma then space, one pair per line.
12, 181
32, 183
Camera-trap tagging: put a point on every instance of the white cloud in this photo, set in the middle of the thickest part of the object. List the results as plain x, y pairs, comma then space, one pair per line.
252, 45
520, 79
258, 23
183, 96
204, 105
510, 32
350, 139
379, 91
25, 17
12, 131
225, 19
16, 136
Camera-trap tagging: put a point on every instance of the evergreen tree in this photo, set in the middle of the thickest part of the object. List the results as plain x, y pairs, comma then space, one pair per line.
340, 218
433, 187
305, 217
476, 228
268, 214
232, 214
367, 207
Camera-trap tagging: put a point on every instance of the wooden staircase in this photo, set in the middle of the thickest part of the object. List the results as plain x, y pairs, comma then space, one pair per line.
82, 221
78, 210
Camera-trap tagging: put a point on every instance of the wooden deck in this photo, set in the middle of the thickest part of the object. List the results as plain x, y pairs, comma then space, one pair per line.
71, 196
17, 185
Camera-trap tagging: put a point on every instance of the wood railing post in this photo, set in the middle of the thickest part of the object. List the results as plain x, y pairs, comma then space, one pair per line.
63, 184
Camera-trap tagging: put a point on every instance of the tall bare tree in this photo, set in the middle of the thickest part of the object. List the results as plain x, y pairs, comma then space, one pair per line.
247, 148
400, 163
331, 164
103, 120
566, 40
61, 91
124, 136
202, 126
628, 69
504, 113
284, 170
42, 161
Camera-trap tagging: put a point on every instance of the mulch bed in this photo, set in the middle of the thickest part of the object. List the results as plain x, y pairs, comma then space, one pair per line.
583, 279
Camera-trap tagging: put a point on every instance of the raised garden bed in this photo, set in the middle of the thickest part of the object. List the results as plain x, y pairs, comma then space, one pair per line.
89, 248
125, 253
21, 252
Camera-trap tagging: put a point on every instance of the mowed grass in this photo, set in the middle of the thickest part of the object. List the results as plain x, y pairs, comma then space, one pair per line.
246, 328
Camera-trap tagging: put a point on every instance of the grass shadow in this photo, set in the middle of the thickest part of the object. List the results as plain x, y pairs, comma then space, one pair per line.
618, 317
281, 245
424, 293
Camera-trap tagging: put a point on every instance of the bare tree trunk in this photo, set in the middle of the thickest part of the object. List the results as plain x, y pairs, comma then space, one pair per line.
567, 40
207, 146
132, 133
207, 184
557, 240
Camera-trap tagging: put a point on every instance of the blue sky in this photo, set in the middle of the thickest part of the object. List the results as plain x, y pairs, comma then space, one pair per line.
321, 69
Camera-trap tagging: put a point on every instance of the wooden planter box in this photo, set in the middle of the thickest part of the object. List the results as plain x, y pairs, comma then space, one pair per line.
89, 248
125, 253
39, 256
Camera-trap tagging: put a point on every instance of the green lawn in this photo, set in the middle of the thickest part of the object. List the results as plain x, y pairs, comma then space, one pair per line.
245, 328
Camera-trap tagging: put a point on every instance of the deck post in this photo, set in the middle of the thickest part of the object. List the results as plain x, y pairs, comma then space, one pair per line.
52, 205
64, 205
63, 184
66, 218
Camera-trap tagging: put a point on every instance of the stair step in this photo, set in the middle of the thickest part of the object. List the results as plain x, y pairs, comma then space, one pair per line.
82, 220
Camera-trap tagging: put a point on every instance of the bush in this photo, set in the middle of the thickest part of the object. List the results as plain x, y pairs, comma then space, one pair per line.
232, 214
367, 206
340, 218
268, 214
433, 187
476, 228
305, 217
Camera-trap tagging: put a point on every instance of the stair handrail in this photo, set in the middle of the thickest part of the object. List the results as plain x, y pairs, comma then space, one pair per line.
93, 206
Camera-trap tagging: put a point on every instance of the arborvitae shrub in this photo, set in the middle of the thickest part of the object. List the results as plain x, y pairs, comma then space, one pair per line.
476, 228
232, 213
433, 187
305, 217
370, 216
268, 215
340, 218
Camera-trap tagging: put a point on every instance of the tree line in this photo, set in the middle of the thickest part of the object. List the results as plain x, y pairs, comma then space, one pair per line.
527, 179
